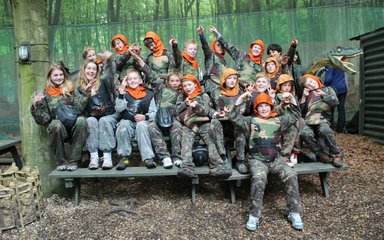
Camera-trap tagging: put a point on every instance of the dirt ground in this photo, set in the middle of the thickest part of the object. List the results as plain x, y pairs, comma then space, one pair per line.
160, 208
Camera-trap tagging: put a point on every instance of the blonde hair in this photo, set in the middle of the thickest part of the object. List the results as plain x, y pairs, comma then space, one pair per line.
86, 50
190, 41
176, 73
262, 75
67, 86
83, 81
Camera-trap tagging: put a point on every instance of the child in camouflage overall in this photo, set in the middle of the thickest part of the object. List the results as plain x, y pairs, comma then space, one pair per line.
224, 99
60, 91
264, 133
317, 103
194, 111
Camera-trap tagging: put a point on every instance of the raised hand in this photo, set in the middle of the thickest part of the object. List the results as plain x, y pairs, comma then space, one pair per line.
214, 30
37, 98
294, 41
250, 87
105, 54
200, 30
90, 85
271, 92
123, 85
173, 41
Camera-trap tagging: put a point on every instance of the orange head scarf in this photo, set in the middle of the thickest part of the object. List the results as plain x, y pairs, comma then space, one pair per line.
312, 77
273, 74
190, 77
213, 47
99, 60
158, 43
257, 59
283, 78
136, 93
223, 89
190, 59
123, 39
263, 98
56, 91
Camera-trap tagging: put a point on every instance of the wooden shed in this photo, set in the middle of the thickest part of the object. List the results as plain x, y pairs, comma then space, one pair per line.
371, 119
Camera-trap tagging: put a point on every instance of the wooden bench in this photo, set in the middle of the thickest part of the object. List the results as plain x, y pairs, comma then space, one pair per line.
9, 145
73, 179
323, 169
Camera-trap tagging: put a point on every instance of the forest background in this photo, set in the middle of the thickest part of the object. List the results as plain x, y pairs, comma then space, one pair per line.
73, 24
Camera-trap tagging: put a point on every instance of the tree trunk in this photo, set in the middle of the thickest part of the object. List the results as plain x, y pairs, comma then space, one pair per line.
31, 25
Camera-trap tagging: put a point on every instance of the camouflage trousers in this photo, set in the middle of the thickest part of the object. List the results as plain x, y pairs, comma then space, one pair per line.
159, 143
324, 131
259, 170
126, 130
291, 138
217, 134
77, 137
188, 138
240, 137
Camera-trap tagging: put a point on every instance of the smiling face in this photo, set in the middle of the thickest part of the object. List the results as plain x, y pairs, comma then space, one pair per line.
219, 48
189, 86
256, 50
271, 67
286, 87
150, 44
191, 49
134, 80
119, 45
90, 71
231, 80
264, 109
57, 77
311, 84
91, 55
262, 84
174, 82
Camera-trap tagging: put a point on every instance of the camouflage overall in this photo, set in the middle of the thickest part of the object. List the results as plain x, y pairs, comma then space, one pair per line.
317, 119
184, 66
45, 114
264, 156
243, 63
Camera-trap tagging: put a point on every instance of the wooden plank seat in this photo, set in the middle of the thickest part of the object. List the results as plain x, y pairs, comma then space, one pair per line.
9, 145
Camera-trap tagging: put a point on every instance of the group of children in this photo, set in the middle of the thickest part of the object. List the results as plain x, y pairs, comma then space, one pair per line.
121, 97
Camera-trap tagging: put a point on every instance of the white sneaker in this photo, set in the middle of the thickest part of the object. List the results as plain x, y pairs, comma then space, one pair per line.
293, 158
177, 163
289, 163
107, 163
167, 162
295, 219
252, 223
94, 164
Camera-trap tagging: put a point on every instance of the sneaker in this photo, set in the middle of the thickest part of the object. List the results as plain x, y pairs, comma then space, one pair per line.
123, 163
167, 163
295, 219
289, 162
177, 162
241, 167
293, 158
94, 164
61, 167
338, 161
324, 157
72, 166
149, 163
252, 223
107, 163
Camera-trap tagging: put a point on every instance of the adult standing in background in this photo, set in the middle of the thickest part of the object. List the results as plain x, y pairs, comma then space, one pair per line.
335, 78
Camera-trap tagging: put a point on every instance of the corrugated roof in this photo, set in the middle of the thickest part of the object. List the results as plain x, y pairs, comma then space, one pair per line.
361, 35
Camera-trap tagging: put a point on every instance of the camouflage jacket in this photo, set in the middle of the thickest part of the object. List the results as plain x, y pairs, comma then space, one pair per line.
264, 135
214, 66
161, 64
192, 117
45, 110
184, 66
102, 104
243, 63
221, 101
318, 109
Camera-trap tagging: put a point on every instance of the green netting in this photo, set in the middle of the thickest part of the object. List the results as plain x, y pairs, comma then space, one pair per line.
317, 29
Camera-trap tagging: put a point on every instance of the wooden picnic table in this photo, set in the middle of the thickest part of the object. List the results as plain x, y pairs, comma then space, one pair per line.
9, 145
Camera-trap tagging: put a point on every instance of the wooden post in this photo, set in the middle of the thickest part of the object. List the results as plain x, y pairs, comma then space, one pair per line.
31, 26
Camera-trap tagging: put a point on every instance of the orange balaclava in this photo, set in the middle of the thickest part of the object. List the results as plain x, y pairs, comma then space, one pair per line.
123, 39
257, 59
197, 92
273, 74
158, 43
312, 77
213, 47
223, 89
283, 78
263, 98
